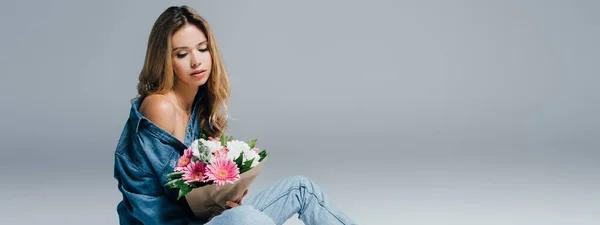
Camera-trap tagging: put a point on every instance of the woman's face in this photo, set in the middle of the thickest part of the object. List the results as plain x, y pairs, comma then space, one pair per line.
190, 56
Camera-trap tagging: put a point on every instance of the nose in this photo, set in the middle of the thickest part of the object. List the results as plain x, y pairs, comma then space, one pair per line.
195, 60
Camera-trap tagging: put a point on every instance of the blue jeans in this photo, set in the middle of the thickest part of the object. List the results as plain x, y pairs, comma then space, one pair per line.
297, 194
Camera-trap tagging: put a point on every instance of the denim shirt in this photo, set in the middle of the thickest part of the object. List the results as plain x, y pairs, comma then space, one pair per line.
144, 155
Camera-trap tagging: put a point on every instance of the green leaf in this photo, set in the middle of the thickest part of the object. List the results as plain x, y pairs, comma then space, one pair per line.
203, 136
200, 145
252, 143
175, 175
184, 190
204, 153
194, 184
248, 163
262, 155
239, 160
177, 183
194, 159
171, 183
223, 139
230, 138
247, 166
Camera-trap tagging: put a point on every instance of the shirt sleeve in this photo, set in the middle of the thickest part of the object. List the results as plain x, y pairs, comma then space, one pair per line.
144, 198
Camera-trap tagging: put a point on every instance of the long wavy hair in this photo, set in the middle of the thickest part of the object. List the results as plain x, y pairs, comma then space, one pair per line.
158, 76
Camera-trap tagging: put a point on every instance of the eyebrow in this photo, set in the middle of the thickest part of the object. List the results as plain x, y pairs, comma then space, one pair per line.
177, 48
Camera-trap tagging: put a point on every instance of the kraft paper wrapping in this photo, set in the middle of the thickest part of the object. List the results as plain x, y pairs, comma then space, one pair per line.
206, 201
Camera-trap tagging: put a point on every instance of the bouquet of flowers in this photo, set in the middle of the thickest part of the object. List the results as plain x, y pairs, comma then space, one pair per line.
215, 170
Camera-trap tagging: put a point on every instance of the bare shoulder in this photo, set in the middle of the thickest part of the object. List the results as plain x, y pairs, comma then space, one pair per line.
158, 109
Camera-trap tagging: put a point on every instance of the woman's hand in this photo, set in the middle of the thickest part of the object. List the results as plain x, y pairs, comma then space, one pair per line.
231, 204
237, 202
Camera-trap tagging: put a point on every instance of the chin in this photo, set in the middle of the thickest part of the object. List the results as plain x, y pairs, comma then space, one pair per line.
201, 82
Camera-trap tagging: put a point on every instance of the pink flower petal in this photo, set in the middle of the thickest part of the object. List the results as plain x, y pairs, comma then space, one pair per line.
222, 171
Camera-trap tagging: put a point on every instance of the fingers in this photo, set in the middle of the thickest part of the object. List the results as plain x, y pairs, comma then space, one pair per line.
238, 201
215, 210
243, 195
232, 204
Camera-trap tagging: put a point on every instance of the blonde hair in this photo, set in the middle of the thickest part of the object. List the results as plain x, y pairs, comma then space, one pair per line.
158, 76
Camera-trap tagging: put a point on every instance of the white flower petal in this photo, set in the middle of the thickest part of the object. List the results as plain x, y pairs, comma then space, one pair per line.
213, 146
251, 154
235, 148
195, 151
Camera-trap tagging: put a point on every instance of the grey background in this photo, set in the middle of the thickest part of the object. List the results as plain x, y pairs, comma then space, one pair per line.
405, 112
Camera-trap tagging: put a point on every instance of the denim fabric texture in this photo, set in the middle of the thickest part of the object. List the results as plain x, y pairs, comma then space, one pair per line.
146, 153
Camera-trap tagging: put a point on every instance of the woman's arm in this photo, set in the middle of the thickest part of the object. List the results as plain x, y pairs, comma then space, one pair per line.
144, 199
139, 163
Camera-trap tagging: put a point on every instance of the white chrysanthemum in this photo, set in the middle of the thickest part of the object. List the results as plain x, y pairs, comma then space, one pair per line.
211, 159
195, 150
213, 146
251, 154
235, 148
202, 151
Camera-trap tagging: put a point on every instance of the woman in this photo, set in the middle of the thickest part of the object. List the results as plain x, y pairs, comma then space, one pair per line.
183, 91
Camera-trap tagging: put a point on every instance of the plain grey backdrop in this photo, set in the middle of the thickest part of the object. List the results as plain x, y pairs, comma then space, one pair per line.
405, 112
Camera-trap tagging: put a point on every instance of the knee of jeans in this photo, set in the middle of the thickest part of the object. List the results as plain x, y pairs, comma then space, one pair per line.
244, 214
300, 180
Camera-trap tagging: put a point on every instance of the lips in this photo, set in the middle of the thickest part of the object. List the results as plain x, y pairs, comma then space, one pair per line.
198, 73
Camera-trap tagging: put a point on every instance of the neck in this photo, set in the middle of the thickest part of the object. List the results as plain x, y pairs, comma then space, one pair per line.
185, 96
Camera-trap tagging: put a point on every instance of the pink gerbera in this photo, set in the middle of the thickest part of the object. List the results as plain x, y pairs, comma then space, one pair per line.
184, 160
195, 172
222, 171
222, 152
